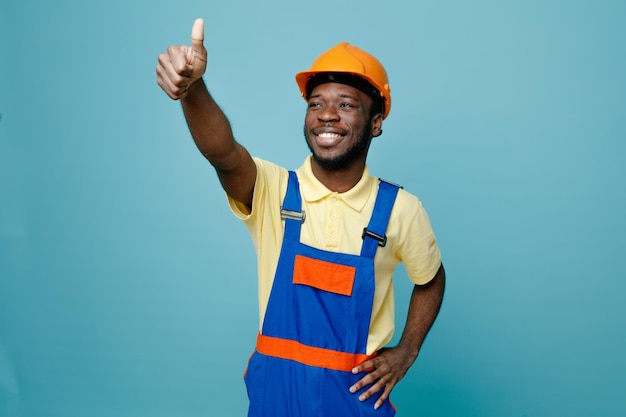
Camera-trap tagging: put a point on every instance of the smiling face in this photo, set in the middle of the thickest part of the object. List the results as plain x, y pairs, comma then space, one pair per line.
338, 126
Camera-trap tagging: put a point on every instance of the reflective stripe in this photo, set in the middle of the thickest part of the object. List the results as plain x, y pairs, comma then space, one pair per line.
309, 355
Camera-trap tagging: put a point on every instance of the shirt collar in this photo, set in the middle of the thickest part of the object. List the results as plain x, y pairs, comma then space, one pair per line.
313, 190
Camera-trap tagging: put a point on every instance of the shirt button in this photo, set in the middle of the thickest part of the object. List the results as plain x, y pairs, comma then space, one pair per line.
333, 199
332, 235
333, 216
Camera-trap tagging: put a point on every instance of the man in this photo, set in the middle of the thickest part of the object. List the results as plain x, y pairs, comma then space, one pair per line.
328, 237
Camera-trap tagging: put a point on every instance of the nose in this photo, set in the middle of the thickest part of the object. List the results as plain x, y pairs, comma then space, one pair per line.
328, 114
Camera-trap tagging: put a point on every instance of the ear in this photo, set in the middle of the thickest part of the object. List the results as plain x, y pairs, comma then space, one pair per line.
377, 125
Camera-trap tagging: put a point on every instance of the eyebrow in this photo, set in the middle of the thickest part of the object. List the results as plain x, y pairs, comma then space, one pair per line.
341, 95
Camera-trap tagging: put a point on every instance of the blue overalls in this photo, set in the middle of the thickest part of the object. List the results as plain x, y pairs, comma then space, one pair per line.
316, 324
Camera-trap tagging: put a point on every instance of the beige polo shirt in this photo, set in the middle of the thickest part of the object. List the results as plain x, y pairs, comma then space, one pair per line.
334, 222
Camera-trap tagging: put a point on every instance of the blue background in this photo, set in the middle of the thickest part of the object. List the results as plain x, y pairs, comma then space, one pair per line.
128, 289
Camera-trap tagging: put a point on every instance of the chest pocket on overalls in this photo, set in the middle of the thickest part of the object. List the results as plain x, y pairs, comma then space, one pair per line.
324, 286
326, 276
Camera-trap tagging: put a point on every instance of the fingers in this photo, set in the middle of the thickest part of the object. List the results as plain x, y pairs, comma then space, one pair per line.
173, 72
383, 397
372, 377
382, 376
378, 381
177, 57
364, 367
197, 34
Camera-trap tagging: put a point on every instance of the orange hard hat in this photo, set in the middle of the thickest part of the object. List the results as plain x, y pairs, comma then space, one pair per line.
349, 60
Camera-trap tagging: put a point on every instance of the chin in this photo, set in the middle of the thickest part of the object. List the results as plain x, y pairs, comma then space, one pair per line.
333, 163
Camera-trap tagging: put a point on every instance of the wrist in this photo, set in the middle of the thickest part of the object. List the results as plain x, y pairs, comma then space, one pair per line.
409, 350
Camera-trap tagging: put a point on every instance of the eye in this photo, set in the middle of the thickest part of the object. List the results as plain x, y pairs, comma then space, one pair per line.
313, 104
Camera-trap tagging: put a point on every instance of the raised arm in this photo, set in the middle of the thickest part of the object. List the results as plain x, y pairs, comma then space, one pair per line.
179, 74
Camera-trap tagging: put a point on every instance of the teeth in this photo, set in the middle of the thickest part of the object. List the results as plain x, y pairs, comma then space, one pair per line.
328, 135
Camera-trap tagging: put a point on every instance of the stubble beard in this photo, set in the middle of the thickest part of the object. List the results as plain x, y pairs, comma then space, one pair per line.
339, 162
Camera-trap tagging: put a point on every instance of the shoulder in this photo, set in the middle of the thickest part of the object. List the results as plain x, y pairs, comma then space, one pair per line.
270, 176
407, 203
268, 169
270, 185
416, 241
409, 219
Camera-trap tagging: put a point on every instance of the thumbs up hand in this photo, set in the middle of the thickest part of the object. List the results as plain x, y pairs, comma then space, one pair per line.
181, 66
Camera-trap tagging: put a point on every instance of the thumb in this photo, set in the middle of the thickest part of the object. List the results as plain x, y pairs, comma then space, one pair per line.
197, 34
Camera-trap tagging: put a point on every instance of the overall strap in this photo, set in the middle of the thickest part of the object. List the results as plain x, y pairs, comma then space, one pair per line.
374, 234
291, 210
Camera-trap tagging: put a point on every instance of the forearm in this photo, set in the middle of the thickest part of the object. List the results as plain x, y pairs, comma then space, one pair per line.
208, 125
386, 369
212, 133
423, 310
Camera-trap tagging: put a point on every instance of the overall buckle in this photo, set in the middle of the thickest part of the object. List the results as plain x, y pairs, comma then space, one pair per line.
382, 240
292, 215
